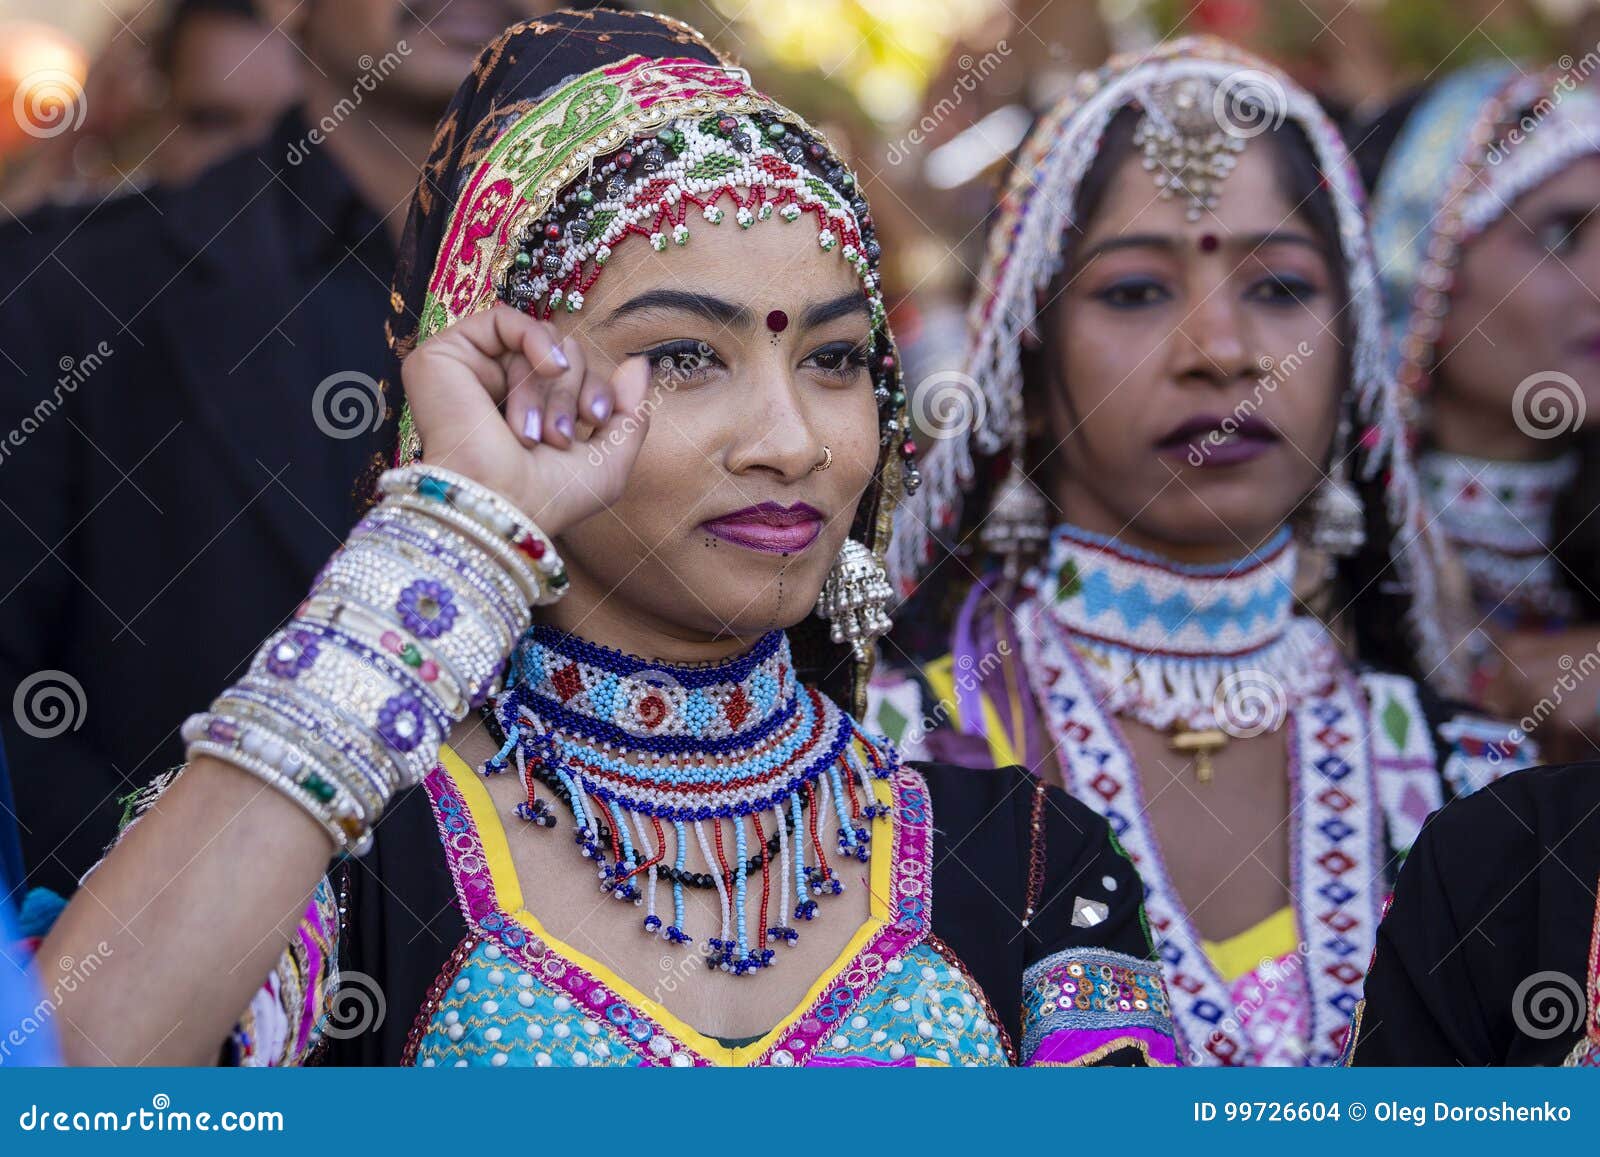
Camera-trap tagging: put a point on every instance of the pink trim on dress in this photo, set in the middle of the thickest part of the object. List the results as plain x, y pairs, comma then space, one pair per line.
910, 912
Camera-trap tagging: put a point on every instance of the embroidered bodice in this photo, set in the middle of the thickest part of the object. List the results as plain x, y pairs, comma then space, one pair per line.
898, 994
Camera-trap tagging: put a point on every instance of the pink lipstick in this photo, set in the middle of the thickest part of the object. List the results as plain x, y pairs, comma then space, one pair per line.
769, 527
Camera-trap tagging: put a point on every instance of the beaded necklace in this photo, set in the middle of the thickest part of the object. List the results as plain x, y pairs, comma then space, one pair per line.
650, 756
1198, 647
1499, 517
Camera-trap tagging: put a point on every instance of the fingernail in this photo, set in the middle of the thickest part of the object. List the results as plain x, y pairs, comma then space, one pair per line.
600, 408
530, 425
564, 424
559, 358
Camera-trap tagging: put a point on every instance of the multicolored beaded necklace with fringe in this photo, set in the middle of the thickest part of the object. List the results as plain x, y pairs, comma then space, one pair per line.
650, 756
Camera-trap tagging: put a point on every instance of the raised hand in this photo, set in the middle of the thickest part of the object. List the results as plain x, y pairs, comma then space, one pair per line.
496, 398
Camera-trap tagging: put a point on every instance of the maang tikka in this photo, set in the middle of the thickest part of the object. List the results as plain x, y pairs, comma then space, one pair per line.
1184, 145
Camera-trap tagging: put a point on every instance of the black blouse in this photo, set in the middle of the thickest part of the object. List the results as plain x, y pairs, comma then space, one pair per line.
1488, 955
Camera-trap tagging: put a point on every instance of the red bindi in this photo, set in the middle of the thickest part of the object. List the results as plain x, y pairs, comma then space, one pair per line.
1209, 242
777, 321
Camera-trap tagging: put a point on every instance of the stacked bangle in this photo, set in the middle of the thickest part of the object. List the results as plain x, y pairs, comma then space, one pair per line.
484, 508
405, 630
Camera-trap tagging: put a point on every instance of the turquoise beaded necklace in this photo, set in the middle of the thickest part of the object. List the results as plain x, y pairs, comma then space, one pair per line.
671, 754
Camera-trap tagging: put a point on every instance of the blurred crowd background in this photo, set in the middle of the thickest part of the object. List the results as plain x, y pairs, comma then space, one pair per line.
926, 95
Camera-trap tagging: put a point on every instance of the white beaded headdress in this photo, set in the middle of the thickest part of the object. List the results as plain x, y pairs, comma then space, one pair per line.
1478, 140
1025, 252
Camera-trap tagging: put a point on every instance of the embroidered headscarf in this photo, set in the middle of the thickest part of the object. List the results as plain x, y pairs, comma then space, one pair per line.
1025, 253
583, 131
1479, 139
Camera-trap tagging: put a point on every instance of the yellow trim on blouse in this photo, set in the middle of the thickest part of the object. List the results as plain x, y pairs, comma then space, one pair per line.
508, 894
941, 678
1271, 939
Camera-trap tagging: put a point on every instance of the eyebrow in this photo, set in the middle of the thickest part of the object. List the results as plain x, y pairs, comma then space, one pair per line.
713, 309
1246, 242
825, 311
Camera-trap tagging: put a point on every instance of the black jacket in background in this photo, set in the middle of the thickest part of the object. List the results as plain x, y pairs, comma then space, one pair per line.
1490, 953
167, 487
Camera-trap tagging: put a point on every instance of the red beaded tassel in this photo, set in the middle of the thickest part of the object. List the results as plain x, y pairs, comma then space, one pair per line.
849, 779
655, 858
766, 879
722, 859
824, 874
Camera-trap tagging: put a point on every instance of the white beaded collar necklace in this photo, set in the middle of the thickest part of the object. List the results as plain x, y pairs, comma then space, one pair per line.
1198, 648
1499, 516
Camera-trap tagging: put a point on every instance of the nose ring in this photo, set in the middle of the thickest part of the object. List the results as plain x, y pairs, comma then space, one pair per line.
827, 460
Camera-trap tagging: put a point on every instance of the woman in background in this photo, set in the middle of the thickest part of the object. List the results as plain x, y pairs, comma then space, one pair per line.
1179, 450
1483, 221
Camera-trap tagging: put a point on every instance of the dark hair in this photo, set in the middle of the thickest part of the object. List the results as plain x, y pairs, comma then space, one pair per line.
1368, 599
1575, 532
166, 38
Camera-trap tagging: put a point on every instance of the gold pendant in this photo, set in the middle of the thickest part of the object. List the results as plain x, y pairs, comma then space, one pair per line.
1200, 744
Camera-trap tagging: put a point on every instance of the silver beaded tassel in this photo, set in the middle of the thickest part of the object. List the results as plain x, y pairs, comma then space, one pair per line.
855, 599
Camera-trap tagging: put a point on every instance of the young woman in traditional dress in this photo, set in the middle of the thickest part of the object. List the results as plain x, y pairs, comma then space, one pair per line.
1192, 579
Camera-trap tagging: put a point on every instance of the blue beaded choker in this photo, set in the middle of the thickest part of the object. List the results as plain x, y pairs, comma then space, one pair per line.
649, 756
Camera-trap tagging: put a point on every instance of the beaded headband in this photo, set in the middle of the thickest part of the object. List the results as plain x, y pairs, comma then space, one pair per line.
629, 150
1480, 139
1025, 252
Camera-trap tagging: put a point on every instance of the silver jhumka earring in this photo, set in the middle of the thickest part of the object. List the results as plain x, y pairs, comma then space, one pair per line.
1338, 519
855, 599
1019, 520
